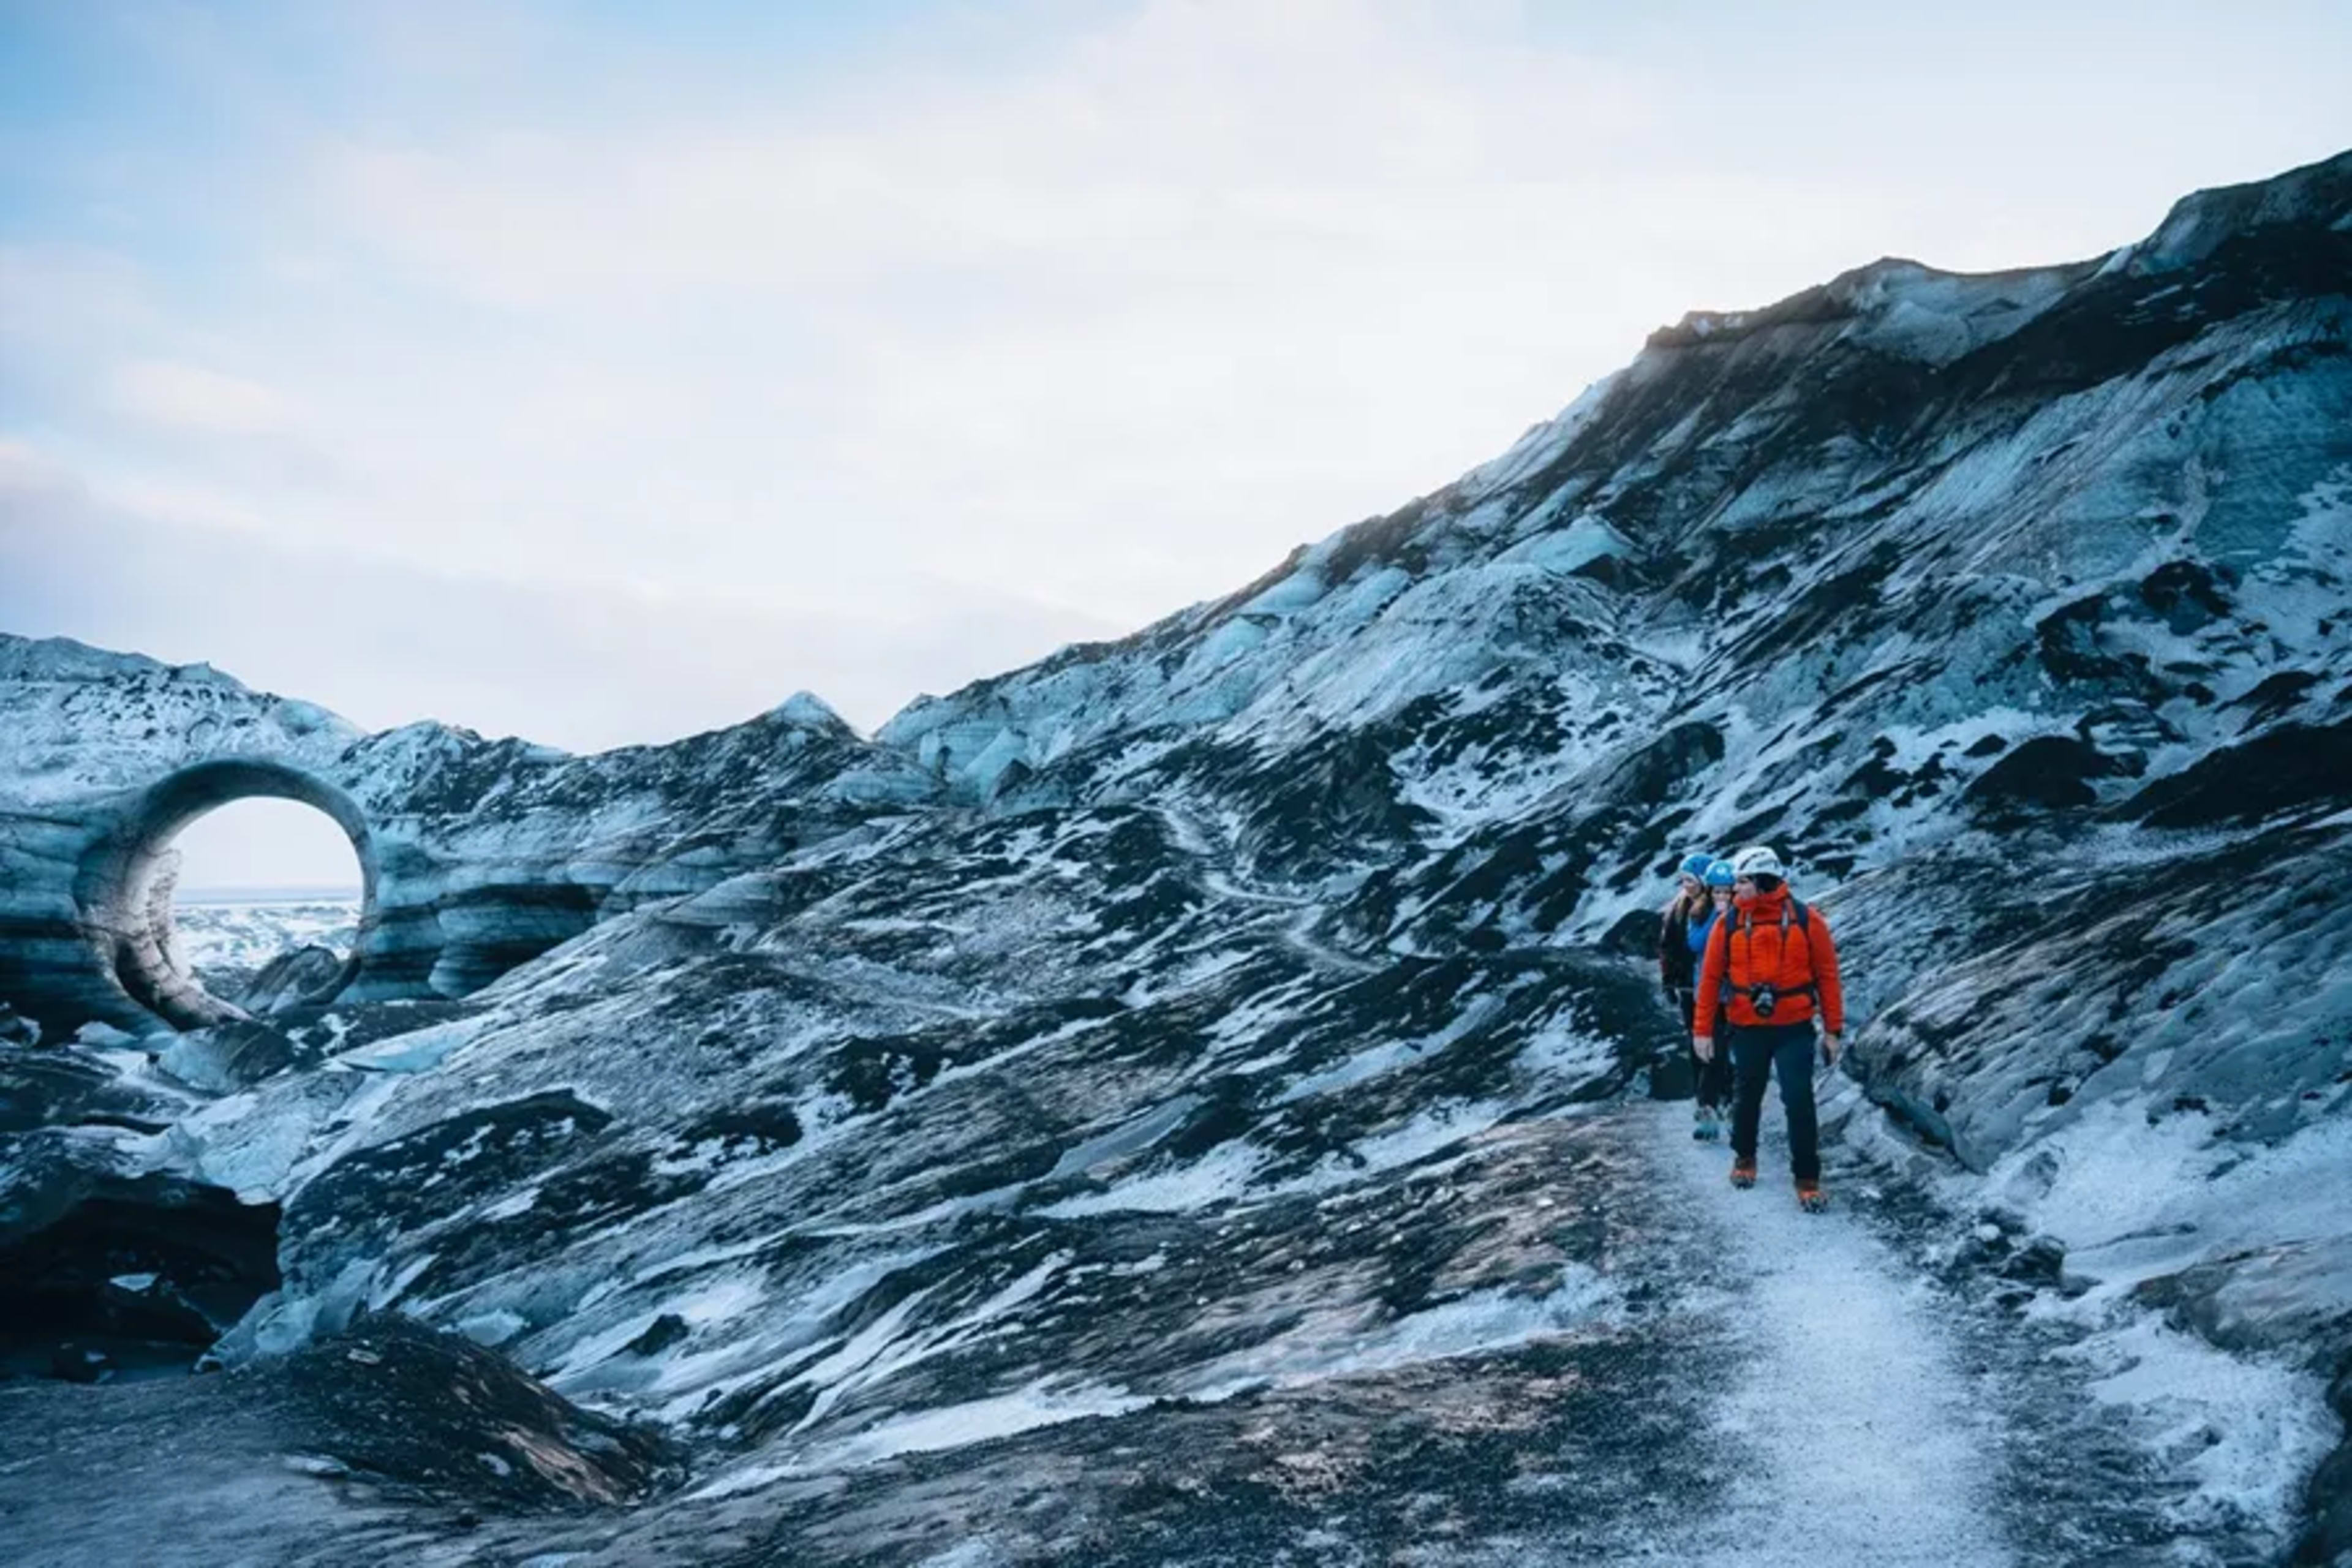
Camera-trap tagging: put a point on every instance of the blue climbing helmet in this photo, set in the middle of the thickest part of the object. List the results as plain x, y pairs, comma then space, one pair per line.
1719, 875
1695, 863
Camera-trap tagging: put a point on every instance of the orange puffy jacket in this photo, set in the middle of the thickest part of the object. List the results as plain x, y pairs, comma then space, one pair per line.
1765, 941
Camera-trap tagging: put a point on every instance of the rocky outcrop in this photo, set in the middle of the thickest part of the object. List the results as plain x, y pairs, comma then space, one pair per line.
309, 975
475, 855
390, 1440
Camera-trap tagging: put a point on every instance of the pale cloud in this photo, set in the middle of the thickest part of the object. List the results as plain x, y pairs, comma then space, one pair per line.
173, 502
1184, 145
24, 468
1114, 330
191, 397
384, 640
55, 294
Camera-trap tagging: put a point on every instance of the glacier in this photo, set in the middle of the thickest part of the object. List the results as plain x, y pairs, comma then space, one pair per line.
1201, 1098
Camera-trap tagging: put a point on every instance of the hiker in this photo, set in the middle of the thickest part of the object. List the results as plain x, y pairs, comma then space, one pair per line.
1772, 966
1681, 941
1713, 1071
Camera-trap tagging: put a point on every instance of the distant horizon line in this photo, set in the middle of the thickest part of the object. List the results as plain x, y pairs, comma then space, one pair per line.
269, 893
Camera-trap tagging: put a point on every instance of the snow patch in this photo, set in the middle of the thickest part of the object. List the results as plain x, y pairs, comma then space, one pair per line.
930, 1431
1357, 1340
2248, 1430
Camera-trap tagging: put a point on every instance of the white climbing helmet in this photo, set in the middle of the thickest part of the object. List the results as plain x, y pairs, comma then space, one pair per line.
1757, 860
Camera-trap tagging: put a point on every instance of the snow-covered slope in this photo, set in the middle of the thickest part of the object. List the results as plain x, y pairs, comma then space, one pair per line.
1167, 1103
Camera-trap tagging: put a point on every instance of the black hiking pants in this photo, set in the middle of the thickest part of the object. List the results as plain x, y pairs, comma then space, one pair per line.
1713, 1078
1761, 1052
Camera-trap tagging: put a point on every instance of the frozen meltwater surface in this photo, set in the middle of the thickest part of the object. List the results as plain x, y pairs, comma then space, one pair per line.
245, 928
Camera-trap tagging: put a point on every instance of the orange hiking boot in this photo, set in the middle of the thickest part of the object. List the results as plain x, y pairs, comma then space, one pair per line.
1743, 1171
1811, 1198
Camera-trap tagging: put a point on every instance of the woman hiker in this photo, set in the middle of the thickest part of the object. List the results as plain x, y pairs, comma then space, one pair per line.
1682, 938
1772, 966
1715, 1074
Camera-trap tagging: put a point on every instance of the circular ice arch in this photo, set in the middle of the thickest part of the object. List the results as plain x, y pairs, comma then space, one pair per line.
126, 900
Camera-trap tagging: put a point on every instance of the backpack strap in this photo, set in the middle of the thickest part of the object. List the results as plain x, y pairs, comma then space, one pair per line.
1792, 912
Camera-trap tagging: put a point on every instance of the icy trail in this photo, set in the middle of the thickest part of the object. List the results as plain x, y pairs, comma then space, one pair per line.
1852, 1436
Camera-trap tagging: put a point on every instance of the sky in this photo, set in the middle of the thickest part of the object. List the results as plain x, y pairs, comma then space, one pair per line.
264, 844
603, 374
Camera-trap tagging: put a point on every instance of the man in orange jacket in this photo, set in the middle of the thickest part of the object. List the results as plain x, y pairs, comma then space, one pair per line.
1775, 961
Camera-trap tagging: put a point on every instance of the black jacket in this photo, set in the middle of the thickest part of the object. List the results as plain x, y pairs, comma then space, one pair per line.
1677, 965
